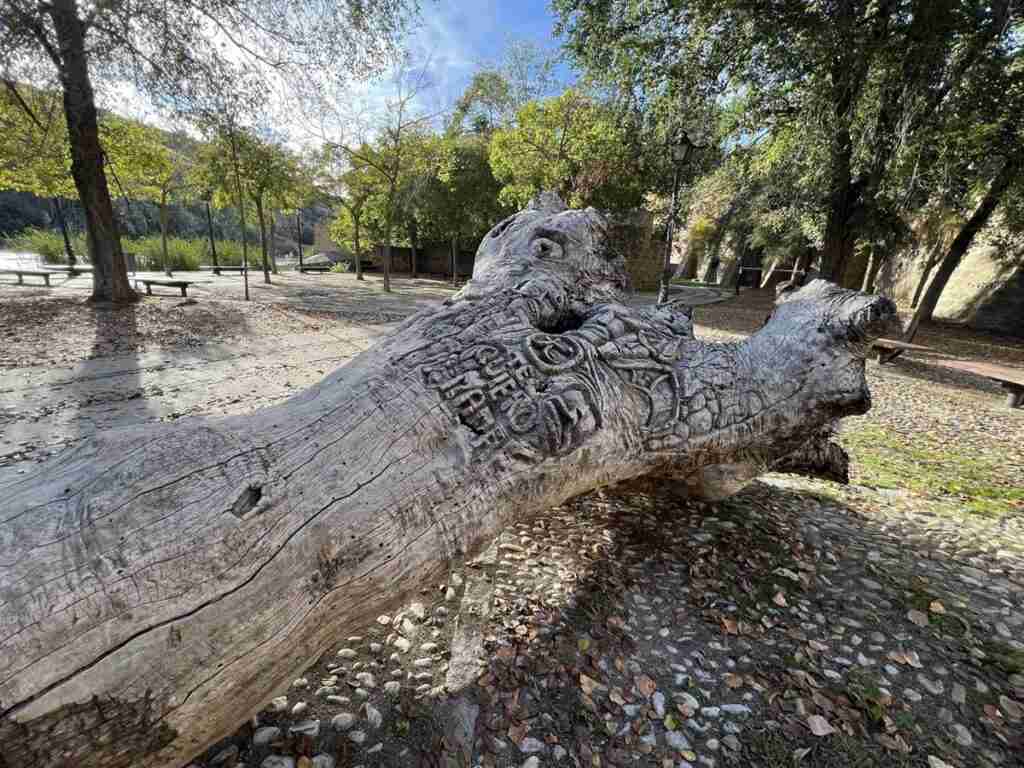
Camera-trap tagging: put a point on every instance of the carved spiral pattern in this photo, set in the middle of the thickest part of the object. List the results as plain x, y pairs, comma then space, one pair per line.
554, 354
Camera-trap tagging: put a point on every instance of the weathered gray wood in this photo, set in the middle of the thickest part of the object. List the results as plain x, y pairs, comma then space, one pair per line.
158, 586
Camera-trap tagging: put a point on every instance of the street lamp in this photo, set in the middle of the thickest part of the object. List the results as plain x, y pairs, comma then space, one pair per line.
681, 148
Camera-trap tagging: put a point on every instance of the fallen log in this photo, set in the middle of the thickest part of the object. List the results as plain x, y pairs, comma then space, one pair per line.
159, 585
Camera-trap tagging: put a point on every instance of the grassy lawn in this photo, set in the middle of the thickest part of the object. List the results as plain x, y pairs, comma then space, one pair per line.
957, 476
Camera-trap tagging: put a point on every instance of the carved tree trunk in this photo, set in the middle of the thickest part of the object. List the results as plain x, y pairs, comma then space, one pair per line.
158, 586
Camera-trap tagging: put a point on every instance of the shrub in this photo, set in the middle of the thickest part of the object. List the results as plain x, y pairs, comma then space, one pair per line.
48, 244
182, 254
341, 266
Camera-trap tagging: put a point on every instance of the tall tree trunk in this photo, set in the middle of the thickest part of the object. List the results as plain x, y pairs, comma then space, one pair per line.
933, 258
258, 200
874, 265
955, 253
387, 254
209, 229
162, 583
58, 212
241, 211
356, 216
110, 273
273, 242
163, 233
837, 249
298, 233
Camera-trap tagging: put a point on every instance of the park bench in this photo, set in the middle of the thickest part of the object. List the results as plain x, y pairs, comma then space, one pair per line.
887, 350
1011, 379
218, 269
22, 273
316, 268
70, 271
150, 282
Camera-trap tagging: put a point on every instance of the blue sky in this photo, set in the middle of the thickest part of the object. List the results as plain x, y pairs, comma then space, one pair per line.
461, 35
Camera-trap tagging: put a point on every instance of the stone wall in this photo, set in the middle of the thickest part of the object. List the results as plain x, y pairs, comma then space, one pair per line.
986, 292
633, 236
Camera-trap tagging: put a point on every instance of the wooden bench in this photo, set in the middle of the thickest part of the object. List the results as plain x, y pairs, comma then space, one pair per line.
149, 283
1011, 379
887, 350
70, 271
218, 269
22, 273
316, 268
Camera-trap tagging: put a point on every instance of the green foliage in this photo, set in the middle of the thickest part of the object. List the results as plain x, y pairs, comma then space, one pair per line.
183, 253
853, 115
572, 144
46, 243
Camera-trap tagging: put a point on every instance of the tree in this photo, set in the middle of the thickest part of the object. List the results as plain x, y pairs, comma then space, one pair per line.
346, 180
974, 165
155, 166
34, 154
858, 79
574, 145
218, 559
171, 49
388, 158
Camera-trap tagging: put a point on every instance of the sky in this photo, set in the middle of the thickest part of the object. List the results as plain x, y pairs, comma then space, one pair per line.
461, 35
452, 39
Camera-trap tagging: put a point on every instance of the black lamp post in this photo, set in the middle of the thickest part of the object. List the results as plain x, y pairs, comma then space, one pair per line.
681, 148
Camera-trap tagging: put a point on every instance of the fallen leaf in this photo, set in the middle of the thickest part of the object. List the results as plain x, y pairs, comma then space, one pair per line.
819, 647
646, 686
670, 722
584, 644
780, 599
936, 607
732, 680
1014, 711
918, 617
800, 754
518, 732
589, 684
819, 725
895, 743
730, 626
937, 762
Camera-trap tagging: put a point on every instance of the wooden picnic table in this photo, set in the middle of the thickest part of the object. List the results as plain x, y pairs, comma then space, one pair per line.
1011, 379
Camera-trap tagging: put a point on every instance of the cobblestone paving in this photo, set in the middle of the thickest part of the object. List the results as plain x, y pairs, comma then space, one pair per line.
798, 623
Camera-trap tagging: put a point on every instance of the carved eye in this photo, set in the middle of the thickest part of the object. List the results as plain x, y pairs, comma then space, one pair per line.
543, 248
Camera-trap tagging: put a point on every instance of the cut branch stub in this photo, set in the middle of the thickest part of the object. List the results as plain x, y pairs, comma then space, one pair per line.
160, 585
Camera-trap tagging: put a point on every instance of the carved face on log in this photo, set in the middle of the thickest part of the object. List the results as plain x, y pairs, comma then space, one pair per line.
547, 249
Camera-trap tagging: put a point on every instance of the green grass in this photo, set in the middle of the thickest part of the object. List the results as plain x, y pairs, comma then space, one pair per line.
953, 474
182, 253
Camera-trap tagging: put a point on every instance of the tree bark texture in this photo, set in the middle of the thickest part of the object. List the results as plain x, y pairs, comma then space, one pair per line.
159, 586
110, 273
209, 226
258, 200
273, 241
163, 233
